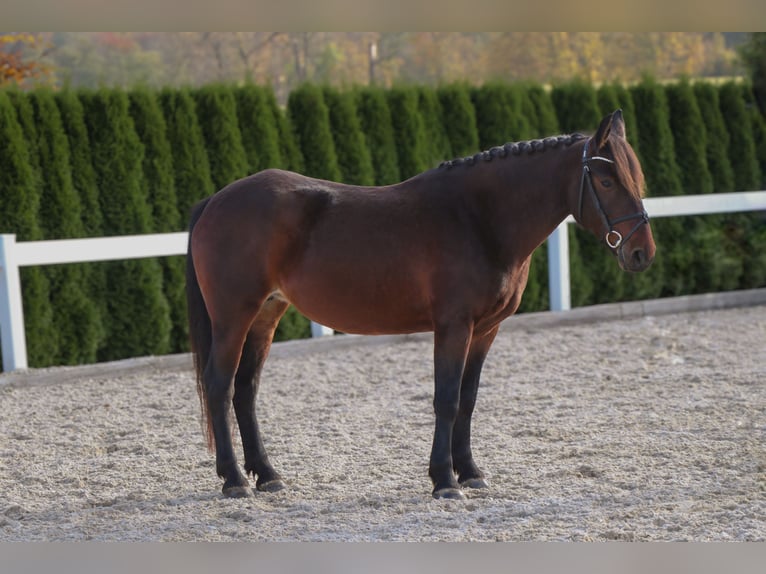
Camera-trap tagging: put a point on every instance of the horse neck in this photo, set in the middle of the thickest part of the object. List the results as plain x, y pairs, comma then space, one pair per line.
526, 197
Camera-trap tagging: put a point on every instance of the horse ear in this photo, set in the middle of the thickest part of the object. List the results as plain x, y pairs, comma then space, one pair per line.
602, 133
618, 124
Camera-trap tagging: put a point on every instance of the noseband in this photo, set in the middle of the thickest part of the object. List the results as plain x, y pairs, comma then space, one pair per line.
613, 238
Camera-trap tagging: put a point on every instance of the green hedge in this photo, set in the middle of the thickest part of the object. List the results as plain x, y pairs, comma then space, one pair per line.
112, 162
375, 121
137, 315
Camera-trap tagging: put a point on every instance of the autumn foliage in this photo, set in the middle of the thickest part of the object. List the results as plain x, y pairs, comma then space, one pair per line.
20, 61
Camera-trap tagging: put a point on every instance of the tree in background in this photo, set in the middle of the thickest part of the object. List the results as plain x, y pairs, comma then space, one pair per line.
310, 119
217, 116
499, 118
76, 317
459, 118
43, 348
159, 189
191, 169
576, 106
670, 273
546, 123
717, 139
85, 188
290, 151
690, 142
260, 135
19, 214
758, 124
753, 54
755, 272
722, 175
409, 131
82, 174
741, 150
137, 321
375, 121
354, 158
437, 143
746, 230
22, 59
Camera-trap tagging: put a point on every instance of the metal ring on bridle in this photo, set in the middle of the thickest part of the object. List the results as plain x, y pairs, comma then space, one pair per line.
617, 242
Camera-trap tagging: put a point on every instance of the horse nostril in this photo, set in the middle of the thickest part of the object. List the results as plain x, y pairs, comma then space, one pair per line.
638, 257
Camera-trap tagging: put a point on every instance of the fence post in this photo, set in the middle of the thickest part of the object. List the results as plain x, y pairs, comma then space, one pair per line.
318, 330
12, 338
558, 268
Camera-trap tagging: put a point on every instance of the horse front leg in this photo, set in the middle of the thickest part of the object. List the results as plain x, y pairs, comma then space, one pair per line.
468, 473
450, 348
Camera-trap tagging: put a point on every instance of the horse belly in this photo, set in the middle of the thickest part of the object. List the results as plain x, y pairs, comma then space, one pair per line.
361, 299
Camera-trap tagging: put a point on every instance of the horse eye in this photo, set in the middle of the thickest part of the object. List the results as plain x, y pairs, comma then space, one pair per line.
606, 182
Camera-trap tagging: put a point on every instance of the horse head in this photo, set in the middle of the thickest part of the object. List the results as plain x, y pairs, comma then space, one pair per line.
609, 198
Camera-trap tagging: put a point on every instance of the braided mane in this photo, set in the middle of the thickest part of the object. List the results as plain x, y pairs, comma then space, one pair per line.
516, 149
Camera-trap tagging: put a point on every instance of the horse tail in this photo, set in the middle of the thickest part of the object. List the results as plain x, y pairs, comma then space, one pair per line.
200, 330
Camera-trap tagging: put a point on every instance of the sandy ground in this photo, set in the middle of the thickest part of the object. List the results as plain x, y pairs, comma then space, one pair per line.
643, 429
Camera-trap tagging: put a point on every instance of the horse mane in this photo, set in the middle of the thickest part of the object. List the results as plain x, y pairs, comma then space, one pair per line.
628, 168
516, 149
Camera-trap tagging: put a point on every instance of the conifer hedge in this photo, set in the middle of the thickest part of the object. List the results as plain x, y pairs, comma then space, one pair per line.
459, 119
84, 183
191, 168
745, 230
217, 116
19, 214
690, 138
291, 155
310, 120
409, 131
354, 158
137, 317
159, 189
669, 272
438, 148
498, 115
76, 317
258, 127
115, 162
545, 123
716, 142
375, 121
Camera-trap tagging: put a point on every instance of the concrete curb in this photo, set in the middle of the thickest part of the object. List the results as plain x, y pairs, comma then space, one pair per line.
526, 321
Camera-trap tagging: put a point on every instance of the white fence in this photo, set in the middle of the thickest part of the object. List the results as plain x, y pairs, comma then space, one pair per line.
14, 255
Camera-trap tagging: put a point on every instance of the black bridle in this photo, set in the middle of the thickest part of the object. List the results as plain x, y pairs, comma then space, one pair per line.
613, 238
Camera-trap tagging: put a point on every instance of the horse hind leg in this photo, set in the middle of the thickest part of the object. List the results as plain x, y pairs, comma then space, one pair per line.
218, 380
246, 383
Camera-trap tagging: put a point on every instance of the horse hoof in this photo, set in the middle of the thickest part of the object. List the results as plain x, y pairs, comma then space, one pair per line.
237, 492
449, 494
272, 486
475, 483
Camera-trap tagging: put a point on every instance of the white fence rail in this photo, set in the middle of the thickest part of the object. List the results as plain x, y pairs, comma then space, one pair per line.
14, 255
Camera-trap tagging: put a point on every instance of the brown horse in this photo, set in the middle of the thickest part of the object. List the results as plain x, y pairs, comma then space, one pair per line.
446, 251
